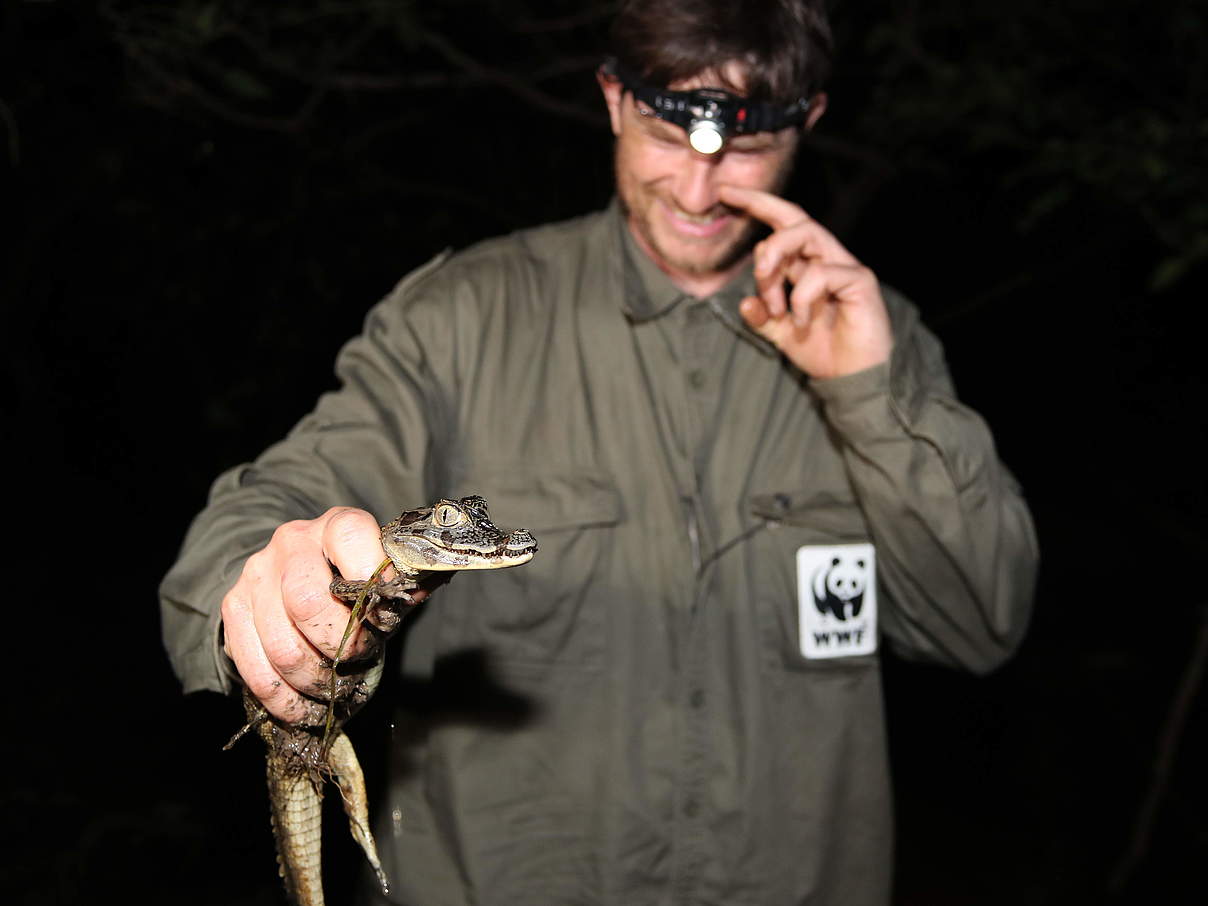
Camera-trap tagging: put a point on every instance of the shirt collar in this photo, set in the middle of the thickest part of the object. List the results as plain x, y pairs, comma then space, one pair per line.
649, 293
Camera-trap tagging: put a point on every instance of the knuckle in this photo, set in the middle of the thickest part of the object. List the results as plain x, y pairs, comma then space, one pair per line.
284, 653
807, 286
304, 595
255, 562
264, 688
234, 611
326, 638
290, 532
344, 524
258, 566
280, 698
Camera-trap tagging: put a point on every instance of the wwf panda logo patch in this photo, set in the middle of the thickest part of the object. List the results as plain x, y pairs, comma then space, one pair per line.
837, 599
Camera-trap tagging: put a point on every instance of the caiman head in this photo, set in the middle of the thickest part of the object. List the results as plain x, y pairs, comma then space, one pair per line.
451, 535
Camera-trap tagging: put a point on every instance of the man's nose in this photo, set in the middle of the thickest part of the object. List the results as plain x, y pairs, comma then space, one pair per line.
696, 184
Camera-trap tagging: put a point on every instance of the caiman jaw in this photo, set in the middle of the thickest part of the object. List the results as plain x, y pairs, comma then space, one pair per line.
416, 552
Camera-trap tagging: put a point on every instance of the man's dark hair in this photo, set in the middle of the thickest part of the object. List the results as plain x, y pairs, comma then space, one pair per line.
784, 46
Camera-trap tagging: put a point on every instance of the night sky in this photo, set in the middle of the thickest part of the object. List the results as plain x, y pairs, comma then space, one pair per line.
206, 201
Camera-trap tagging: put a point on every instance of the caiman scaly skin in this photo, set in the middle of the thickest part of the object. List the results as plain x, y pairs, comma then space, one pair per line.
447, 536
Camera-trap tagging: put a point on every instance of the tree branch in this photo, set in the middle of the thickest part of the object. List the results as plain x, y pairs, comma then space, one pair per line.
589, 16
1168, 746
513, 83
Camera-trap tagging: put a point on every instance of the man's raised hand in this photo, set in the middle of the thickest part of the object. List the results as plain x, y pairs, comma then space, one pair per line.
830, 319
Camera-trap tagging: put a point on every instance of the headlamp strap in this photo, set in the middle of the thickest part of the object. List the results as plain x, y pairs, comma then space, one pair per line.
736, 115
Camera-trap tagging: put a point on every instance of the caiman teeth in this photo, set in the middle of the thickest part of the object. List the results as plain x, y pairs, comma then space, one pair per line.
513, 549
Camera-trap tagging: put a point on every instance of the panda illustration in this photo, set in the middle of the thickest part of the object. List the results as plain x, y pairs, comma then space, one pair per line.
839, 587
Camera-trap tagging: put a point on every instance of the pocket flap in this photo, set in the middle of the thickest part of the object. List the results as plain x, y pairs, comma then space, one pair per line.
548, 501
837, 516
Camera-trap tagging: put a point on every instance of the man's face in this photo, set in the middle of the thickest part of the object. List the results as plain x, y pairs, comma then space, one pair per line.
669, 191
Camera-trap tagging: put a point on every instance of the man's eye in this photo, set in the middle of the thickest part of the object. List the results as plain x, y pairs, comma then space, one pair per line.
664, 134
748, 147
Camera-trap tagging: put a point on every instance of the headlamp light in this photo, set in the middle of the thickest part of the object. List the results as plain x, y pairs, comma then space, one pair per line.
710, 116
706, 136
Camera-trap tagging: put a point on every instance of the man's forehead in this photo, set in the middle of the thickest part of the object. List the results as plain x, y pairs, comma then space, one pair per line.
731, 77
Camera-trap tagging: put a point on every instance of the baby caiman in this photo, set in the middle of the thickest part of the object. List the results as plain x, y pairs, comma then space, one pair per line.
449, 535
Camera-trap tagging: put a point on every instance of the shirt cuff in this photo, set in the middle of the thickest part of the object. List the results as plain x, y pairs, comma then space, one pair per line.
860, 405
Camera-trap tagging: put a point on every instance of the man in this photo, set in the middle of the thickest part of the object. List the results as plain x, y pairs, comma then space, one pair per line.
745, 467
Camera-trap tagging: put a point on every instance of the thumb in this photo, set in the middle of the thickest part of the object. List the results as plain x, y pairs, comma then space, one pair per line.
755, 312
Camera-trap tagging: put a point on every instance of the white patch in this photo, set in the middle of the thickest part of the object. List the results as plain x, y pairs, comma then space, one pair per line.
837, 599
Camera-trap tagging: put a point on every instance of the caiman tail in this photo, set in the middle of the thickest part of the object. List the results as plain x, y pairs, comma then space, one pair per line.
297, 806
296, 774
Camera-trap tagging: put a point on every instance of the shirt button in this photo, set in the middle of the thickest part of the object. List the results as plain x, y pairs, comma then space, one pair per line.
696, 378
691, 808
697, 698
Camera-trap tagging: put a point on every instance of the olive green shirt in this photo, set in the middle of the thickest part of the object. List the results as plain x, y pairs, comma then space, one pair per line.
662, 707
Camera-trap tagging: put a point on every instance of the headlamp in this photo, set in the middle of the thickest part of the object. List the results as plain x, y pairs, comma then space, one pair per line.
710, 116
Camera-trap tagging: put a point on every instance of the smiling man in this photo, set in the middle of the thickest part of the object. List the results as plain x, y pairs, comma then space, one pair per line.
670, 193
747, 471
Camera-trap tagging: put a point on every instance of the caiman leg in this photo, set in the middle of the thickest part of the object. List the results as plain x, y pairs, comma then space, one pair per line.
346, 771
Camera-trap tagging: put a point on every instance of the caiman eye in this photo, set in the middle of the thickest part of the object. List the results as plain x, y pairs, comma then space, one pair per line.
447, 515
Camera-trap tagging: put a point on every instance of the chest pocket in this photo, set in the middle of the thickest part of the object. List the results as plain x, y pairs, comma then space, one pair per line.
800, 613
551, 610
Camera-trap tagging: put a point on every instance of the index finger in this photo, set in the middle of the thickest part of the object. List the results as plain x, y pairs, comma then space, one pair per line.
773, 210
352, 542
794, 231
346, 538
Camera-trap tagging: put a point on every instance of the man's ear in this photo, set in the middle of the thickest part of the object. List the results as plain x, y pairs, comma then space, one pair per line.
614, 93
817, 108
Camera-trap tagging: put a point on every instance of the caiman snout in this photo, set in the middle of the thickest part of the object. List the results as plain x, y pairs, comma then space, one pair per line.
522, 541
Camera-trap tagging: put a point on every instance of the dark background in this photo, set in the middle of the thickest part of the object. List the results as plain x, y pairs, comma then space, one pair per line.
207, 196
